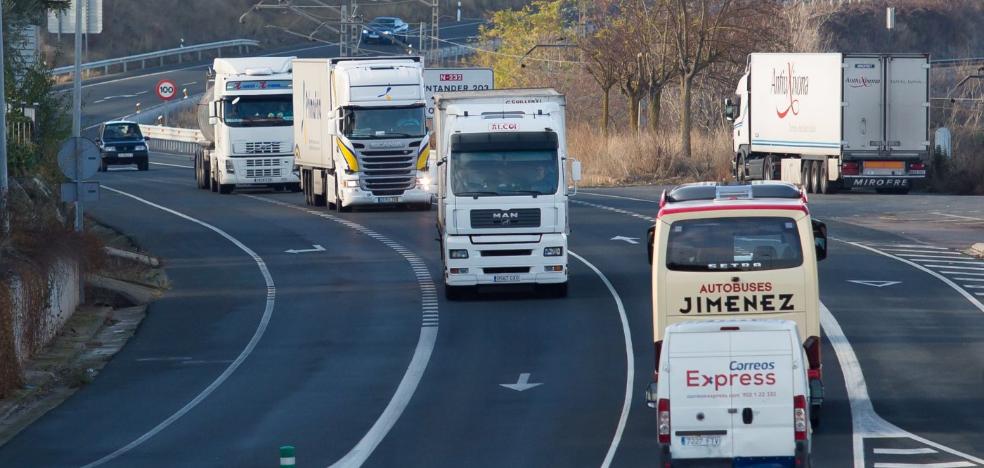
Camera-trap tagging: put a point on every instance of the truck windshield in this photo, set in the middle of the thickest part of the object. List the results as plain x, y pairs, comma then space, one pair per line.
259, 111
390, 122
504, 173
731, 244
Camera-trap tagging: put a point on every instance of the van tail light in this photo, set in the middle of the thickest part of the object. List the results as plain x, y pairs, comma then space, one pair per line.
812, 347
663, 408
799, 417
850, 168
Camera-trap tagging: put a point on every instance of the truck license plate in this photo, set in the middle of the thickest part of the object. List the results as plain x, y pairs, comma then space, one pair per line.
506, 278
389, 199
263, 180
701, 441
124, 155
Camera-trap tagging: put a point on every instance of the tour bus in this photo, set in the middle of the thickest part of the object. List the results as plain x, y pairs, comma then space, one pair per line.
739, 251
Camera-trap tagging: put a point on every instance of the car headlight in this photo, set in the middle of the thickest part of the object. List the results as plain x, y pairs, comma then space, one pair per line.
109, 148
365, 31
350, 183
553, 251
387, 32
230, 168
458, 253
140, 148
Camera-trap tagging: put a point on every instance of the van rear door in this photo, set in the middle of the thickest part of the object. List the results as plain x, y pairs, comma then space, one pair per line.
761, 371
700, 395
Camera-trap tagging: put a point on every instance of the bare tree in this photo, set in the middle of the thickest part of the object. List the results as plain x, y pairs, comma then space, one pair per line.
600, 62
658, 64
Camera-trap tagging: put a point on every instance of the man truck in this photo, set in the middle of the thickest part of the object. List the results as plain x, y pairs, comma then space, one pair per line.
361, 138
246, 117
828, 121
502, 188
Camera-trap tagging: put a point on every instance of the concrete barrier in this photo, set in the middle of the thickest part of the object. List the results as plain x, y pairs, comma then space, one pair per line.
34, 329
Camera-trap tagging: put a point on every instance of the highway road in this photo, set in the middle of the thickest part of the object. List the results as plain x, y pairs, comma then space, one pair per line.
350, 353
330, 332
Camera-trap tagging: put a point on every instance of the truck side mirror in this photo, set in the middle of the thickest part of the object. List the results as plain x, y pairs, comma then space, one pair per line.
213, 120
820, 239
729, 109
650, 242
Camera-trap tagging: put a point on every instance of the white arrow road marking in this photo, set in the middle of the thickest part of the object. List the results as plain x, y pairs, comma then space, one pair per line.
317, 248
522, 384
877, 284
631, 240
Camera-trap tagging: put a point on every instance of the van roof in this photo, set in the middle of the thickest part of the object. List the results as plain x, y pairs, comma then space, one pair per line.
704, 326
710, 196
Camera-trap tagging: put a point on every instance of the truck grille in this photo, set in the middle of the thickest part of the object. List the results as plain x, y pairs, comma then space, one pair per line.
519, 218
262, 163
269, 172
263, 147
389, 172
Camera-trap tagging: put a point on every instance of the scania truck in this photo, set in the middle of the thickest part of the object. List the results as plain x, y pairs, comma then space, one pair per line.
361, 136
502, 188
246, 116
830, 120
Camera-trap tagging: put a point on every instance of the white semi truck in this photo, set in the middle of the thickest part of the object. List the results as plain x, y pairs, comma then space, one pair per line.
830, 120
246, 116
502, 188
361, 135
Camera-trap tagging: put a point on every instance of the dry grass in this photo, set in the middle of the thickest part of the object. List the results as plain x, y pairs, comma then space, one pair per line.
648, 158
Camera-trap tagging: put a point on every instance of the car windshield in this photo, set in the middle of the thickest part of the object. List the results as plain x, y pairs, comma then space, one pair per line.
383, 22
504, 173
391, 122
729, 244
259, 111
123, 131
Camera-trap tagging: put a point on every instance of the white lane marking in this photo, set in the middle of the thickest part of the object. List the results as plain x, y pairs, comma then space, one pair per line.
955, 267
595, 194
877, 284
958, 216
171, 165
963, 273
925, 255
923, 268
616, 210
630, 240
189, 83
522, 383
895, 451
866, 423
629, 362
169, 358
908, 246
271, 295
965, 261
974, 286
924, 465
421, 354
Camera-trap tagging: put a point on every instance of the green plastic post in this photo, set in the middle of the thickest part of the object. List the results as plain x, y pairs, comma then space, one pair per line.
287, 457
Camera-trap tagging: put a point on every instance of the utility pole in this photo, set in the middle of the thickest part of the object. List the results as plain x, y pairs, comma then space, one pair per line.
77, 112
435, 30
343, 35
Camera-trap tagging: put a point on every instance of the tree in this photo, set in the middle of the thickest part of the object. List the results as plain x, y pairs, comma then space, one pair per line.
704, 32
597, 49
658, 64
516, 32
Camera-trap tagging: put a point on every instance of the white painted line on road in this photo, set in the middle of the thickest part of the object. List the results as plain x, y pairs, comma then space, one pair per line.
958, 216
955, 267
261, 327
421, 354
958, 262
866, 423
169, 358
629, 362
595, 194
924, 465
895, 451
189, 83
171, 165
926, 255
907, 246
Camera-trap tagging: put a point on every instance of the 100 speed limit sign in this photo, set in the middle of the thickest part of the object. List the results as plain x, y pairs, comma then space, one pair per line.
166, 89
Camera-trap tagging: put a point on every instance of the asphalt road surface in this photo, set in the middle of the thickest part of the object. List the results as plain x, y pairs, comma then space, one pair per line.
347, 349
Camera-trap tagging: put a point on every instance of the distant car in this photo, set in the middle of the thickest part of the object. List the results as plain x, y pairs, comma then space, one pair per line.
121, 143
385, 29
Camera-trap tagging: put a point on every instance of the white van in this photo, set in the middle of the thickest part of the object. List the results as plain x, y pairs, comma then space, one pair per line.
733, 390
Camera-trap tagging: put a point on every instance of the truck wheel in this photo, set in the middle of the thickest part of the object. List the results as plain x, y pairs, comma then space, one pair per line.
226, 189
213, 184
294, 188
306, 187
808, 178
206, 174
740, 168
826, 187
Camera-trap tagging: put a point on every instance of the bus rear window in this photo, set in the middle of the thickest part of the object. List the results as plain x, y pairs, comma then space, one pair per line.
733, 244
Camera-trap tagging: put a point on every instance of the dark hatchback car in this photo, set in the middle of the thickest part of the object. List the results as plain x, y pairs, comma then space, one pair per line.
385, 29
121, 143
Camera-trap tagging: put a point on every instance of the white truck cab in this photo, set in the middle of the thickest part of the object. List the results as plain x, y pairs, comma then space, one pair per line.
739, 251
733, 390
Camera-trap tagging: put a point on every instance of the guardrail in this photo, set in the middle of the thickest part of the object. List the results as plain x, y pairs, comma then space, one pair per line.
172, 140
160, 55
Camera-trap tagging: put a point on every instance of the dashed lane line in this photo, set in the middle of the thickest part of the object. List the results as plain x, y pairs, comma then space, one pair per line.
271, 295
421, 355
891, 451
171, 165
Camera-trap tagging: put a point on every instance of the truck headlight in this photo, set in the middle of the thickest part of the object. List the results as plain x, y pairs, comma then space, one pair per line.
230, 168
424, 182
553, 251
140, 148
458, 253
109, 148
350, 183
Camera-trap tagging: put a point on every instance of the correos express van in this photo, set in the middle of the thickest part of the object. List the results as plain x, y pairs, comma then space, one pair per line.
733, 391
746, 251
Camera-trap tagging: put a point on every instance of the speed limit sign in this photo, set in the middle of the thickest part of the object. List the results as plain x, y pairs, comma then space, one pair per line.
166, 89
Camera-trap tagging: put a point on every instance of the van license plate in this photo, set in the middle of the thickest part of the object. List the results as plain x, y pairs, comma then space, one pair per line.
389, 199
506, 278
124, 155
700, 441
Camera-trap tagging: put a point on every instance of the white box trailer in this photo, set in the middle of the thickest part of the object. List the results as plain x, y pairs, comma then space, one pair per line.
830, 120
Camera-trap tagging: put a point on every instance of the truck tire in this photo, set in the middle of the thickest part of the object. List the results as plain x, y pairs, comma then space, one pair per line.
206, 174
808, 176
815, 176
306, 186
226, 189
740, 168
213, 183
772, 167
826, 186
